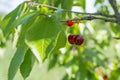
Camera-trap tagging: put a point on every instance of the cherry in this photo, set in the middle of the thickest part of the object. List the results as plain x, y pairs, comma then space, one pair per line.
70, 23
75, 39
71, 38
79, 40
104, 76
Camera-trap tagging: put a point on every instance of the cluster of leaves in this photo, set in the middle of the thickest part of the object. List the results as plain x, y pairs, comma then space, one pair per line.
38, 33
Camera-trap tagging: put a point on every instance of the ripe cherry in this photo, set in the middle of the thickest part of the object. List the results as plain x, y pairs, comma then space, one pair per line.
104, 76
71, 38
75, 39
70, 23
79, 40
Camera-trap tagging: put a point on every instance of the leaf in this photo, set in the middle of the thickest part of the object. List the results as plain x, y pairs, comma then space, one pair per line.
52, 61
81, 3
115, 74
65, 6
42, 35
82, 70
61, 41
22, 20
16, 61
57, 2
25, 18
10, 18
27, 64
65, 77
92, 56
26, 24
99, 2
2, 39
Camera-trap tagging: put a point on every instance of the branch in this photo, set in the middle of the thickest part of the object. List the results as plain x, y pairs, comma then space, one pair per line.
113, 4
64, 10
115, 8
117, 38
91, 18
98, 14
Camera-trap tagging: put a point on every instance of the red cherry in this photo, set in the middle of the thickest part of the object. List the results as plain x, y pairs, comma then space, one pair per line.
79, 40
70, 23
71, 38
104, 76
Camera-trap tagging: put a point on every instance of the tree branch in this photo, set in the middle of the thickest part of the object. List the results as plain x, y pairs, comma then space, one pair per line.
91, 18
113, 4
64, 10
98, 14
117, 38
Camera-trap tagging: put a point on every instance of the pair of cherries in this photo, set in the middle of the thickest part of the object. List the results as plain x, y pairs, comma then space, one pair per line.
75, 39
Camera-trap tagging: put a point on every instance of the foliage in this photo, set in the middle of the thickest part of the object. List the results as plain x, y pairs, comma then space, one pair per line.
39, 31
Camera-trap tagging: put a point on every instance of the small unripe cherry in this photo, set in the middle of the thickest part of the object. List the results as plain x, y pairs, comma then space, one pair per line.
70, 23
104, 76
79, 39
71, 38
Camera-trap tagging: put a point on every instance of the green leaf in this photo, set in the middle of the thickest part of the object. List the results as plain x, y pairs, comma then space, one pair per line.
82, 72
61, 41
25, 18
2, 39
26, 24
41, 37
21, 20
81, 3
10, 18
115, 74
65, 6
52, 61
57, 2
92, 56
16, 61
98, 1
27, 64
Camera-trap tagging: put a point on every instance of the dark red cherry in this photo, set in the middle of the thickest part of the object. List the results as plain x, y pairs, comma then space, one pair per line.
71, 38
79, 39
70, 23
104, 76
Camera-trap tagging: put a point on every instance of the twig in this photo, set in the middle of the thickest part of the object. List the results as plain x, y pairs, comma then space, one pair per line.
98, 14
113, 4
91, 18
115, 18
116, 37
55, 8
